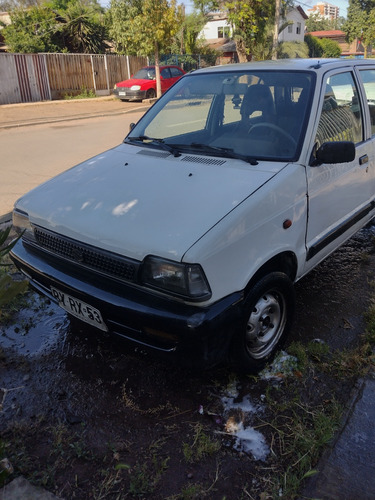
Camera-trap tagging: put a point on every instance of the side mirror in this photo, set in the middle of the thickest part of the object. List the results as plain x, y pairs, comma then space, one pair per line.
334, 152
131, 126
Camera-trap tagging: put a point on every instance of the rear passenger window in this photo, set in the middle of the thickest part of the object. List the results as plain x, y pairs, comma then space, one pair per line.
368, 78
341, 118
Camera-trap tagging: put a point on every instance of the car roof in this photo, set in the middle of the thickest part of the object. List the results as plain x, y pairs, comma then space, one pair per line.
317, 65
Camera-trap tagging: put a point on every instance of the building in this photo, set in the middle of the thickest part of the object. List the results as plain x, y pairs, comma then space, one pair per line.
295, 31
325, 10
354, 49
217, 33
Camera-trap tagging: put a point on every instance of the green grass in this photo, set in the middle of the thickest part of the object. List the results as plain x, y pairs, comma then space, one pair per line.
84, 94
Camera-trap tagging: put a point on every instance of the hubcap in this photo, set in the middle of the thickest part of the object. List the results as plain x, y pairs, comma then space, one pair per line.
265, 325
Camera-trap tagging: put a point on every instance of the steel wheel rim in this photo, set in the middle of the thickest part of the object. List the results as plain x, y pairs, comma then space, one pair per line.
266, 324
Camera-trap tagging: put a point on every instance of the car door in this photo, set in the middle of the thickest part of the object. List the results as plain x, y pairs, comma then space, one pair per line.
340, 196
166, 79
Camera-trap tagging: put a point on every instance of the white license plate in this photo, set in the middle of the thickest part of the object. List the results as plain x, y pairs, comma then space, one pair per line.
122, 93
79, 309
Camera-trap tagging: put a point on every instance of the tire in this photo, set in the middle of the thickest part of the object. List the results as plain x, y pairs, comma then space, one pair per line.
150, 94
266, 320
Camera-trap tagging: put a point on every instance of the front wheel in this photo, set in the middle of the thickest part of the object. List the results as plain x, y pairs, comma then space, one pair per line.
267, 316
150, 94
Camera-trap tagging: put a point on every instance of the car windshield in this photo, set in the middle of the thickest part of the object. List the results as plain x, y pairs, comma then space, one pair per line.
243, 114
145, 74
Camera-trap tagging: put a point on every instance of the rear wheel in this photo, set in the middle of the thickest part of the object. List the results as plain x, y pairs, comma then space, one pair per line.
267, 317
150, 94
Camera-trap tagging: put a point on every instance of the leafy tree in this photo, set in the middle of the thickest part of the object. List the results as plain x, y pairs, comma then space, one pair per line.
360, 22
77, 28
314, 46
206, 6
322, 47
189, 34
145, 27
290, 50
32, 30
81, 28
249, 20
330, 48
316, 22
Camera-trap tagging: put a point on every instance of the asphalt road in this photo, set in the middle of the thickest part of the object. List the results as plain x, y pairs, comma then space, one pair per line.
38, 142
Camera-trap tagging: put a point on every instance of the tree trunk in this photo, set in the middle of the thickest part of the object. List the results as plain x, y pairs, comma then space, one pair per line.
275, 41
241, 51
157, 71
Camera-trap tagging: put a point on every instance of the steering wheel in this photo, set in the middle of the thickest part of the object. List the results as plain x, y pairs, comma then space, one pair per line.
276, 129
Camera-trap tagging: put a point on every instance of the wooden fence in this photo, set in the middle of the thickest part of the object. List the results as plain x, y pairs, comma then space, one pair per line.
39, 77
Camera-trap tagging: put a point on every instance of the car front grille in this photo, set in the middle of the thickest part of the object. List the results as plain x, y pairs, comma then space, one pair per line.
87, 256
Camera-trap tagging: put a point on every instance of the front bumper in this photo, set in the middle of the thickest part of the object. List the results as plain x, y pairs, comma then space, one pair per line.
199, 335
126, 94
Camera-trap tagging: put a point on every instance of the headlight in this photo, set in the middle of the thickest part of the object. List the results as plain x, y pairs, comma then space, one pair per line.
184, 280
21, 223
135, 87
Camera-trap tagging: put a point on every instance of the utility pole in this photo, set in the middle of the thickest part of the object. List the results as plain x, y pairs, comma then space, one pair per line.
276, 30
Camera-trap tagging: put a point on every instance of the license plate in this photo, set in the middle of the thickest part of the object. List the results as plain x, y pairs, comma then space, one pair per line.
122, 93
79, 309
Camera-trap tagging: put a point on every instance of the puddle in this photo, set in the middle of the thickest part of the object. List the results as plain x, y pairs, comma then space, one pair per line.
35, 328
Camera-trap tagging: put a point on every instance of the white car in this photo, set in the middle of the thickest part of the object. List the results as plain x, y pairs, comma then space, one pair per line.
189, 235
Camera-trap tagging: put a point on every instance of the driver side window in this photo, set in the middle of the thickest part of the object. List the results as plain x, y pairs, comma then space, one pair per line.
341, 117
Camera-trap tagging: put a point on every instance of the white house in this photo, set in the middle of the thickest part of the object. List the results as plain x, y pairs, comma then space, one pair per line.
218, 29
295, 31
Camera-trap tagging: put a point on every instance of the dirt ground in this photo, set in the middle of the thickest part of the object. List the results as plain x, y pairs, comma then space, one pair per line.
89, 416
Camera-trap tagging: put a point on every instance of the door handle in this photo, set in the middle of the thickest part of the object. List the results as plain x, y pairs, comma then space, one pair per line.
363, 159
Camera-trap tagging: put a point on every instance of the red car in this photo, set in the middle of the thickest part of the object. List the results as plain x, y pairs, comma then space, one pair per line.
142, 85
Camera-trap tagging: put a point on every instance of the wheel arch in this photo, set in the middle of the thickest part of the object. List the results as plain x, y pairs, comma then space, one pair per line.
285, 262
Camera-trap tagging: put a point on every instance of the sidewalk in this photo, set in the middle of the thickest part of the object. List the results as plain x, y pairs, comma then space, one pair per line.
347, 469
25, 114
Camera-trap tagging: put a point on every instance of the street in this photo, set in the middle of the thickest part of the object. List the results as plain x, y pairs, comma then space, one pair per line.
33, 154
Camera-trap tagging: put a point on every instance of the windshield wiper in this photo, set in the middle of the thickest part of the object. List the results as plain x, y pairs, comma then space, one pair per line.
226, 152
154, 140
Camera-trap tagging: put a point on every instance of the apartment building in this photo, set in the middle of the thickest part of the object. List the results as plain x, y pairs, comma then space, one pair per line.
325, 10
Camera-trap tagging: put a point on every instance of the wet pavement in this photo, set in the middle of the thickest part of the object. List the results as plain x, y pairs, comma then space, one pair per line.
347, 469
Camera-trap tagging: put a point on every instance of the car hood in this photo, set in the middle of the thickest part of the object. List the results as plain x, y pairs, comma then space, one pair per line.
137, 201
133, 81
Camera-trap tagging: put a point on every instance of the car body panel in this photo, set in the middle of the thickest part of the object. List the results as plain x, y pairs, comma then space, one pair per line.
134, 184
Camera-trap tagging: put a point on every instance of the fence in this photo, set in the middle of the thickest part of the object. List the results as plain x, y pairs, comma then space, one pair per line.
39, 77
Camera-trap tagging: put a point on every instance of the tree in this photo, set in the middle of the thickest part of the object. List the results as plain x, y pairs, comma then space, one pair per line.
81, 28
189, 33
145, 27
316, 22
322, 47
314, 46
360, 22
290, 50
249, 19
330, 48
44, 29
32, 30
